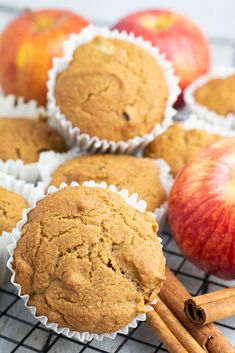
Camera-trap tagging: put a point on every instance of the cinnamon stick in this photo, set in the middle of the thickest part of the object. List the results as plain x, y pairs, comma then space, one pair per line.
163, 332
174, 294
210, 307
176, 329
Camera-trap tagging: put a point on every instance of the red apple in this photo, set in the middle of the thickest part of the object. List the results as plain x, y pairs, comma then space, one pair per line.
27, 47
202, 209
177, 36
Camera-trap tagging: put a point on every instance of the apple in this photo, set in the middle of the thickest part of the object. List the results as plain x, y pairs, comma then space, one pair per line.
202, 209
27, 47
177, 36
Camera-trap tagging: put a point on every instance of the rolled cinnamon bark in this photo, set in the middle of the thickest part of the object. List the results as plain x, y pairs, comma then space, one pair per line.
174, 294
177, 329
210, 307
163, 332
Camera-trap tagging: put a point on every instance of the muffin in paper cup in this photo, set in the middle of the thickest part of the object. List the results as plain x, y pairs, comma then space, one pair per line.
50, 161
13, 107
31, 195
183, 140
202, 112
94, 143
82, 336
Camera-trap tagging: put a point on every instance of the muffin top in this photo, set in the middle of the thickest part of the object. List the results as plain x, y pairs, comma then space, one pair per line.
23, 138
11, 208
139, 175
218, 95
178, 145
112, 89
89, 261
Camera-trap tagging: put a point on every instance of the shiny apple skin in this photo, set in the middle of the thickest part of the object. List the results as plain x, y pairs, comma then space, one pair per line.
183, 42
202, 209
27, 47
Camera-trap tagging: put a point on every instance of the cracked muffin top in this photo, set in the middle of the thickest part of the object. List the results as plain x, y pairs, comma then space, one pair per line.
23, 138
218, 95
89, 261
178, 145
140, 175
112, 89
11, 208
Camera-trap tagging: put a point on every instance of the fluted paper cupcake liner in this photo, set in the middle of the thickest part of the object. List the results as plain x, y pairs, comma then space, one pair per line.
50, 161
93, 143
192, 122
133, 201
160, 214
30, 194
203, 112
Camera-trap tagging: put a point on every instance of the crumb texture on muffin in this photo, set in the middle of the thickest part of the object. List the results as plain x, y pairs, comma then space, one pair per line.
218, 95
23, 138
178, 145
11, 208
112, 89
139, 175
89, 261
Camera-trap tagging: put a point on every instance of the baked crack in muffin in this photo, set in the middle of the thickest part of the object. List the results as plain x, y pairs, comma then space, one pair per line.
88, 260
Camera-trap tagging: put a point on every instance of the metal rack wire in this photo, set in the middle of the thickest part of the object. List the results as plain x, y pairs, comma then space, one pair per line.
21, 333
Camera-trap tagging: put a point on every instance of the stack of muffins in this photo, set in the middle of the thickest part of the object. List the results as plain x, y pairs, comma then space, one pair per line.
86, 258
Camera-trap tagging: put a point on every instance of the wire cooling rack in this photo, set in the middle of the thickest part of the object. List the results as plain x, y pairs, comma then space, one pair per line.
21, 333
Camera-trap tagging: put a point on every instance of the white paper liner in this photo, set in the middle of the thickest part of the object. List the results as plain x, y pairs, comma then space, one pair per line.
192, 122
167, 180
131, 200
30, 194
50, 161
203, 112
93, 143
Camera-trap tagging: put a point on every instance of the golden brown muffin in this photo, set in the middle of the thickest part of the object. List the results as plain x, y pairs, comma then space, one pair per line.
178, 145
89, 261
139, 175
218, 95
112, 89
23, 138
11, 208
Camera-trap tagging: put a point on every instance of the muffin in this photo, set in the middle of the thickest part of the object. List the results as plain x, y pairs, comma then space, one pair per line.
218, 95
139, 175
178, 145
25, 139
11, 208
82, 260
112, 89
